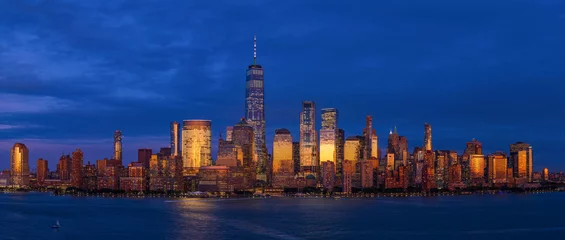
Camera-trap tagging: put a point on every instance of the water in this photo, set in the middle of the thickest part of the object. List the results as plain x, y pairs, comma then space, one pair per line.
536, 216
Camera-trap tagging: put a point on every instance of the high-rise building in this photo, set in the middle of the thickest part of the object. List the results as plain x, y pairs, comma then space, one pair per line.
545, 174
497, 168
427, 137
42, 171
521, 160
118, 145
353, 150
229, 133
76, 168
474, 147
308, 137
296, 156
282, 152
64, 167
175, 138
340, 151
196, 144
244, 137
229, 154
477, 168
19, 165
255, 108
143, 156
403, 154
328, 135
328, 175
375, 145
368, 136
394, 144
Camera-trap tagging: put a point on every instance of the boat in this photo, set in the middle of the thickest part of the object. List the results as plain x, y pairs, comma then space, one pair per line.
57, 225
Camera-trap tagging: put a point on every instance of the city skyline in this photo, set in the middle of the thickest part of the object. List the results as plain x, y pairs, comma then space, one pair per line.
390, 80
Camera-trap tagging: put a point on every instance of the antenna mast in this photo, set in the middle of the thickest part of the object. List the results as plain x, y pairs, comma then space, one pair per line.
254, 49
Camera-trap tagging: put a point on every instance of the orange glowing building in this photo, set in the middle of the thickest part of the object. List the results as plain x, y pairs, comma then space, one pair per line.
42, 171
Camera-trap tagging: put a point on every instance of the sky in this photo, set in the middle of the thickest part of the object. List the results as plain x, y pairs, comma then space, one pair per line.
72, 72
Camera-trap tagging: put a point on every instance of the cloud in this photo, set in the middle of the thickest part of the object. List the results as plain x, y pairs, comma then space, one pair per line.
15, 103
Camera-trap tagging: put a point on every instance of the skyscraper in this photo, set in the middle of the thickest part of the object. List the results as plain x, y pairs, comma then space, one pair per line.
296, 156
19, 165
328, 135
76, 168
340, 151
477, 167
243, 136
353, 149
118, 145
394, 144
229, 133
196, 144
255, 108
308, 137
427, 137
375, 145
282, 152
521, 160
175, 138
497, 168
143, 156
368, 134
42, 171
64, 167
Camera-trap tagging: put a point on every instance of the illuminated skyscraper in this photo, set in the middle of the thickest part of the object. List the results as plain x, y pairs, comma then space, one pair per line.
175, 138
375, 145
76, 168
477, 167
328, 135
353, 150
118, 145
474, 147
427, 137
42, 171
282, 152
521, 160
242, 136
255, 108
196, 142
19, 165
229, 154
497, 168
394, 144
143, 156
308, 137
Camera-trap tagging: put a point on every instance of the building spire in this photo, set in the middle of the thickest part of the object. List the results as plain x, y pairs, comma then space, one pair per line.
254, 49
395, 132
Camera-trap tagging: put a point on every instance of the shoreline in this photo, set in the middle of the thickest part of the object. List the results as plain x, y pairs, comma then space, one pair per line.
294, 195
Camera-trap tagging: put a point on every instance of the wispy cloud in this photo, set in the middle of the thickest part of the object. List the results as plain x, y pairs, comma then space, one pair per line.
16, 103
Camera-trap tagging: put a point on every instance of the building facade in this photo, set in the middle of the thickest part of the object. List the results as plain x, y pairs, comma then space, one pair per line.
175, 138
76, 168
118, 145
197, 144
328, 135
308, 137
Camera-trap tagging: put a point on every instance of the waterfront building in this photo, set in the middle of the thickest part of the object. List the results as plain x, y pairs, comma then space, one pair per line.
441, 168
282, 152
214, 179
328, 175
348, 172
427, 137
428, 171
367, 170
229, 154
109, 171
143, 156
135, 181
418, 156
90, 177
165, 173
175, 138
42, 171
64, 168
521, 161
340, 151
545, 174
308, 137
497, 168
244, 138
197, 145
477, 168
296, 156
19, 165
118, 145
76, 168
368, 137
455, 179
255, 109
328, 135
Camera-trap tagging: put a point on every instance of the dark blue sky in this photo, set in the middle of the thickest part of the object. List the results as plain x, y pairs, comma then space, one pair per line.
72, 72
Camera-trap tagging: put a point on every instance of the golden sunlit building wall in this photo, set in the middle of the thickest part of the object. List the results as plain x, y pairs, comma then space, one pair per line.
19, 165
196, 143
477, 165
328, 135
282, 152
497, 168
42, 171
353, 149
521, 159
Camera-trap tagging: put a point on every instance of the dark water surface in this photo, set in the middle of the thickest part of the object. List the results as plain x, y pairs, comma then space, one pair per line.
536, 216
